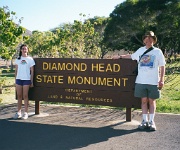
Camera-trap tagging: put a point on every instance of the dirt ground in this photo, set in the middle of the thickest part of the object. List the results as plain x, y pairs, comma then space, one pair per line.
4, 63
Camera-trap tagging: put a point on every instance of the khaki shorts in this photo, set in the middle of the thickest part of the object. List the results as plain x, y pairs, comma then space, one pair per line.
146, 90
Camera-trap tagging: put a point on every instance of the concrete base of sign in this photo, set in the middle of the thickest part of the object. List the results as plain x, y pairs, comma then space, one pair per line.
32, 114
133, 122
129, 123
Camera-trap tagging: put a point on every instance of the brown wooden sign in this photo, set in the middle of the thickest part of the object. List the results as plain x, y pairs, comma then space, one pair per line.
85, 81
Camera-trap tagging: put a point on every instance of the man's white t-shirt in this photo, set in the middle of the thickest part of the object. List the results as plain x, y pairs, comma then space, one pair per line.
24, 65
148, 67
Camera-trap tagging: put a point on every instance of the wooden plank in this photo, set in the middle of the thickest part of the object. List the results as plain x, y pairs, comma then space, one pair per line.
85, 66
128, 114
37, 106
85, 96
116, 82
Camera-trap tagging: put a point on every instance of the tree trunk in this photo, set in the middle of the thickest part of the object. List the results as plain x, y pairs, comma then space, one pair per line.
1, 90
11, 64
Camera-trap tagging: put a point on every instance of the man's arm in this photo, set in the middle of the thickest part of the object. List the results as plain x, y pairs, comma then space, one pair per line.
122, 56
162, 74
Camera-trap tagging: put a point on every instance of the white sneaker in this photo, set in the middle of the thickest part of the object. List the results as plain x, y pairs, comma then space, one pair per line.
17, 116
152, 126
143, 125
25, 116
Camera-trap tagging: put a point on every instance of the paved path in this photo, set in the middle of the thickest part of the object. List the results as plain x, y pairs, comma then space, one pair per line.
70, 128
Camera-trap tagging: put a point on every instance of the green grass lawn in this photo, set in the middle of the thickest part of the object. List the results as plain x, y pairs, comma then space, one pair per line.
170, 99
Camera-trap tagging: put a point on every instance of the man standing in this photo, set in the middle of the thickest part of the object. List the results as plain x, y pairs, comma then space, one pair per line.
150, 78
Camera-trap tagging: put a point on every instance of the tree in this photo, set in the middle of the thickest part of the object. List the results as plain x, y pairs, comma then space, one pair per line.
132, 18
99, 26
81, 39
168, 25
40, 44
77, 40
10, 33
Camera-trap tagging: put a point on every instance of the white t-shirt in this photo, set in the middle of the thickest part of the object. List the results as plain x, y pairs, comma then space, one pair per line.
148, 67
24, 65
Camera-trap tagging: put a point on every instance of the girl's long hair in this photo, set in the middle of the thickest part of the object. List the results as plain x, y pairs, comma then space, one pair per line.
20, 53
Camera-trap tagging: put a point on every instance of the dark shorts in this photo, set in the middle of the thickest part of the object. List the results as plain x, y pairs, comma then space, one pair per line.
146, 90
23, 82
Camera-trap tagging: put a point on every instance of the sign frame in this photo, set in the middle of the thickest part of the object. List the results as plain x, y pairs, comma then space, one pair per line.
105, 82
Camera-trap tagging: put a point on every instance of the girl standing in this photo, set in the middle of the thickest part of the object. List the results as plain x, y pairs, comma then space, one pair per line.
24, 71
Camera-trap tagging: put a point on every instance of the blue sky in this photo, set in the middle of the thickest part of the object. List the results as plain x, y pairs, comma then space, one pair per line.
43, 15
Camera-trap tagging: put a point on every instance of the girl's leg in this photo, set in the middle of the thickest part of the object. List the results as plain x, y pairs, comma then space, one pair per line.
19, 90
25, 96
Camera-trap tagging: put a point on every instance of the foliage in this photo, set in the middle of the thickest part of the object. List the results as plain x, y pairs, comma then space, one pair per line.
168, 26
40, 44
10, 33
170, 100
77, 40
2, 81
132, 18
99, 26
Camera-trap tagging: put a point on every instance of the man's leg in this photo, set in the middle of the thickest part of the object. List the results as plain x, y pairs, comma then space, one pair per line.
152, 109
144, 107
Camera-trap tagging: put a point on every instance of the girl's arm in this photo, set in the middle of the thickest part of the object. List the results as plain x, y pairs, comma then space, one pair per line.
32, 75
16, 68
